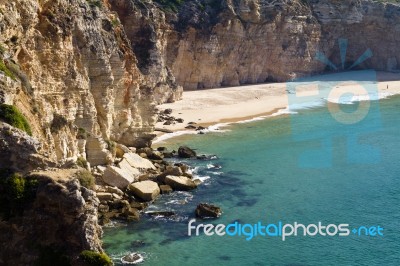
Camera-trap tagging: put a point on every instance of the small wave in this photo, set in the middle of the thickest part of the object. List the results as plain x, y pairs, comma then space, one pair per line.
177, 202
284, 111
174, 218
193, 170
115, 223
167, 136
213, 166
351, 99
258, 118
201, 178
129, 258
216, 127
217, 173
213, 128
305, 105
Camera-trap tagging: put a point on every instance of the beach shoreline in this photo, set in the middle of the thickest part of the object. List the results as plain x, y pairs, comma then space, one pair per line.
224, 106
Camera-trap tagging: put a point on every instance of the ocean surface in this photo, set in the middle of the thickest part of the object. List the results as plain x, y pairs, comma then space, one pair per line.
306, 167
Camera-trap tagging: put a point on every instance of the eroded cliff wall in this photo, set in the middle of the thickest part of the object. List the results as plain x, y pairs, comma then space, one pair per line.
89, 72
213, 43
76, 77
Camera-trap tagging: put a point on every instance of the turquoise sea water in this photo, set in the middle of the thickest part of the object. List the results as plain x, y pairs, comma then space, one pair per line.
262, 173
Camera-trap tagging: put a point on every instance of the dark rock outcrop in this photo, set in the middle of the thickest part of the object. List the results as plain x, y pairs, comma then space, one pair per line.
186, 152
62, 217
205, 210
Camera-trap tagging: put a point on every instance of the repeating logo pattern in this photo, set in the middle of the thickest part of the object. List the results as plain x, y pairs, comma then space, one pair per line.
350, 112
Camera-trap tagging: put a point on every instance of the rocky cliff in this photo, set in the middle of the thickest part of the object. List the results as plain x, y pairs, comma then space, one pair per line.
87, 73
234, 42
57, 219
76, 78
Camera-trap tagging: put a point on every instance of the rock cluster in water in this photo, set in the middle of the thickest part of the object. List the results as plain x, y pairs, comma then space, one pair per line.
139, 178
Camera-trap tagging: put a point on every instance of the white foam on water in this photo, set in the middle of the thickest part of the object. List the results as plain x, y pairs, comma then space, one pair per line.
216, 128
218, 173
193, 170
201, 178
258, 118
351, 99
120, 257
167, 136
115, 223
213, 166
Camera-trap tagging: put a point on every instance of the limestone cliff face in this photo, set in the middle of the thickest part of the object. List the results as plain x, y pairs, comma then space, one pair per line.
234, 42
88, 72
77, 75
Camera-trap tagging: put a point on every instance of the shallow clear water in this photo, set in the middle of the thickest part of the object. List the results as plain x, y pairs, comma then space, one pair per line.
266, 174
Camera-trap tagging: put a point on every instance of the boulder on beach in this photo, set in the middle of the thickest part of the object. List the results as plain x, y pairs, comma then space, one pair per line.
186, 152
168, 111
181, 183
190, 127
205, 210
145, 190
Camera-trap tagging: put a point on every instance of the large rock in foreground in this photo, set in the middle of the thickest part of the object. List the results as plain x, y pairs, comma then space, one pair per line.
61, 213
120, 177
19, 151
205, 210
146, 190
180, 182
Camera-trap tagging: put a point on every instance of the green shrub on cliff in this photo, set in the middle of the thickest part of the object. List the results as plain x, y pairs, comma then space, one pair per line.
92, 258
6, 70
82, 162
11, 115
16, 192
86, 179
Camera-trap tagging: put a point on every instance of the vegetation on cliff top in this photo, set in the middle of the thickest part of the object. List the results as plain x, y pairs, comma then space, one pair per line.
16, 192
86, 179
92, 258
6, 70
11, 115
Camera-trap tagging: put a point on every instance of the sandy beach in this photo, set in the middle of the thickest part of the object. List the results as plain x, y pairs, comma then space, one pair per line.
232, 104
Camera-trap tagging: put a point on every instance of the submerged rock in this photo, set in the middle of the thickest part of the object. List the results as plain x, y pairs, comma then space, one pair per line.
161, 213
205, 210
